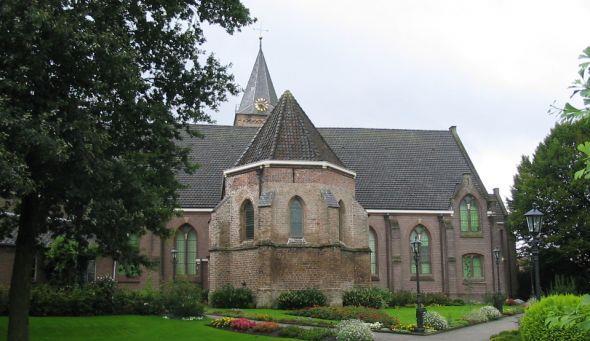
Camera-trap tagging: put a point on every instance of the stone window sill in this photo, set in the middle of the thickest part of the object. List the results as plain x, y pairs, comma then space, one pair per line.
472, 234
474, 281
296, 241
425, 278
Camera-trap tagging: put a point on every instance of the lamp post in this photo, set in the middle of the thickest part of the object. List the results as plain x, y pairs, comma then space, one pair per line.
416, 245
534, 220
174, 253
498, 299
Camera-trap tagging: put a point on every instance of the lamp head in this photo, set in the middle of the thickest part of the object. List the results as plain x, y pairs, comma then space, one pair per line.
534, 220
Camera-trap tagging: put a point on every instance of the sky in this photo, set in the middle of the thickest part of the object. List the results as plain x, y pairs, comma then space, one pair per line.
491, 68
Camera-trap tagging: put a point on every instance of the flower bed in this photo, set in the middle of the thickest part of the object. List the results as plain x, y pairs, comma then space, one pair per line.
244, 325
350, 313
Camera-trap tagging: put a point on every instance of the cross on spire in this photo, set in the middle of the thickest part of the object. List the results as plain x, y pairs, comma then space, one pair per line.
260, 30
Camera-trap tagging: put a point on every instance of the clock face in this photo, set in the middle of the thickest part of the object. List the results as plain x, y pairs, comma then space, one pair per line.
261, 104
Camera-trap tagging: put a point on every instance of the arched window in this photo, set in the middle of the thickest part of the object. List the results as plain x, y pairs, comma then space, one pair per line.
296, 217
473, 266
341, 220
469, 214
373, 247
186, 247
248, 220
422, 233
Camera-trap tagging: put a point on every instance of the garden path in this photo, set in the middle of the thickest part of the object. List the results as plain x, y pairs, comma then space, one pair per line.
479, 332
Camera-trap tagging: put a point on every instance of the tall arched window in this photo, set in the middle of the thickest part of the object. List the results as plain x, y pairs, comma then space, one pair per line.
248, 220
469, 214
296, 217
186, 247
421, 232
373, 247
473, 266
341, 220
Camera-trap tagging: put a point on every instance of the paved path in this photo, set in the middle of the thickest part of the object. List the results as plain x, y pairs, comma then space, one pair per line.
479, 332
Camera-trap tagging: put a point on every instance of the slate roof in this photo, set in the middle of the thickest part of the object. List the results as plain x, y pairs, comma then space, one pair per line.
288, 134
396, 168
259, 86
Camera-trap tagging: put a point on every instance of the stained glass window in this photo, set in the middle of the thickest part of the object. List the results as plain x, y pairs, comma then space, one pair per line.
469, 214
473, 266
296, 213
373, 247
424, 266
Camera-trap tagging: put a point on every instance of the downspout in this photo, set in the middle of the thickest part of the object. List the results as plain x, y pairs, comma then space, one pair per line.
443, 254
388, 249
494, 268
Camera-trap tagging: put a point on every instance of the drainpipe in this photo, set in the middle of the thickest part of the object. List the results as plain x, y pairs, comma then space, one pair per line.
388, 249
443, 254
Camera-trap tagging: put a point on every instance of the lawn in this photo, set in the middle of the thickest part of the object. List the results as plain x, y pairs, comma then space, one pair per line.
124, 328
408, 315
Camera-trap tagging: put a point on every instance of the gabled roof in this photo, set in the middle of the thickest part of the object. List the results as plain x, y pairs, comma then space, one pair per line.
396, 169
259, 86
288, 134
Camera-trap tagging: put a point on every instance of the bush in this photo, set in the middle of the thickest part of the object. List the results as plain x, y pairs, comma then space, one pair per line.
562, 285
435, 320
182, 299
266, 327
537, 323
242, 324
401, 299
230, 297
297, 299
353, 330
491, 313
508, 335
435, 298
347, 313
475, 316
312, 334
367, 297
3, 301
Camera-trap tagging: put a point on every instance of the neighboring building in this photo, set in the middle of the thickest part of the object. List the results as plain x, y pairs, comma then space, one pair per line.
279, 204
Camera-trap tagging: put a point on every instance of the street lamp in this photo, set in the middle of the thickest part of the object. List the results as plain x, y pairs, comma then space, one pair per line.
534, 220
174, 253
416, 245
498, 300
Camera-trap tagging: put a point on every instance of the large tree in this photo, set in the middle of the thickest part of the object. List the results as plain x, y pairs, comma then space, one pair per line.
548, 181
92, 96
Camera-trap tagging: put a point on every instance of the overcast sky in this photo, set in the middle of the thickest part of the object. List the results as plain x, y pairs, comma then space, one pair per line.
492, 68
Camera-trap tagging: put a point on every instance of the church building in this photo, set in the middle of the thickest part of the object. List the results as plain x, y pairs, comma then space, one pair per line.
278, 204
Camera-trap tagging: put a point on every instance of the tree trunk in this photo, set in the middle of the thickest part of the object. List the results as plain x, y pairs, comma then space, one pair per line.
20, 285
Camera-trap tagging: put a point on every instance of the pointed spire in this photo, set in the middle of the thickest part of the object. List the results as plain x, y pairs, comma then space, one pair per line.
259, 96
288, 134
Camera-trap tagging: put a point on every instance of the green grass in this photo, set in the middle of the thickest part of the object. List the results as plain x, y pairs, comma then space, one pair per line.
408, 315
124, 328
276, 314
509, 335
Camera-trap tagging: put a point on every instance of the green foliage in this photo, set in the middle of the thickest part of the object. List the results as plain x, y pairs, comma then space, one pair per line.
401, 299
368, 315
66, 260
353, 330
372, 297
491, 313
548, 181
507, 335
571, 113
297, 299
182, 299
562, 285
476, 316
3, 300
230, 297
559, 317
312, 334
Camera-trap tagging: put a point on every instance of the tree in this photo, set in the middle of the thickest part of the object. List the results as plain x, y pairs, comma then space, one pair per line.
548, 181
93, 95
571, 113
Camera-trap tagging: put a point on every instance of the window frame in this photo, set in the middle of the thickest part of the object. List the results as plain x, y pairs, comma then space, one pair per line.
244, 220
374, 253
426, 232
301, 208
471, 206
341, 220
184, 231
472, 256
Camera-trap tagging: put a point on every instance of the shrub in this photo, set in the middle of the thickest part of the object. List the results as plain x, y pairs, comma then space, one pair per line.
366, 297
242, 324
563, 285
230, 297
182, 299
457, 302
401, 299
224, 322
435, 298
353, 330
539, 319
475, 316
507, 335
312, 334
297, 299
435, 320
266, 327
491, 313
347, 313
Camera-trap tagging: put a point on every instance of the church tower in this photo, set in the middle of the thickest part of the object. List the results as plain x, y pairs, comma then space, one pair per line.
259, 97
